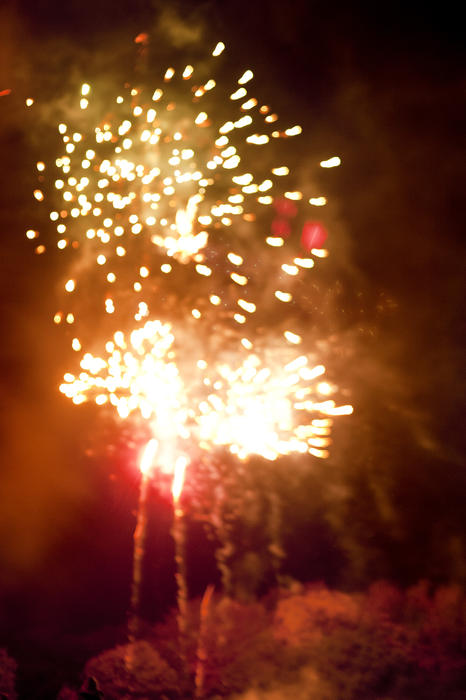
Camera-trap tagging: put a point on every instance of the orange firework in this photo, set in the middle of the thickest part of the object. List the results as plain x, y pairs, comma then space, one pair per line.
183, 297
158, 203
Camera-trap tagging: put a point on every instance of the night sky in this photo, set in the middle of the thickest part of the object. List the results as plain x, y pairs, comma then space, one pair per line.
383, 88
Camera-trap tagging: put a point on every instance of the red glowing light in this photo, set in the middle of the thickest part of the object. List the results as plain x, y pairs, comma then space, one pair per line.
314, 235
281, 227
285, 207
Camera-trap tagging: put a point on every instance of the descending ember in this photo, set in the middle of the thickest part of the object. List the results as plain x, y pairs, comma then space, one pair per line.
160, 204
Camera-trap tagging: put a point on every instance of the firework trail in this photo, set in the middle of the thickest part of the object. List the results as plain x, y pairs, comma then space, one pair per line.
179, 537
146, 467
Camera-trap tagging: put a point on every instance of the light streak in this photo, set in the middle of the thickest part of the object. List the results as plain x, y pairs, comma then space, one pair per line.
179, 536
148, 456
178, 479
145, 466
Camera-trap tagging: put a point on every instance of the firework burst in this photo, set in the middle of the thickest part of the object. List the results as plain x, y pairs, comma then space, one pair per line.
176, 222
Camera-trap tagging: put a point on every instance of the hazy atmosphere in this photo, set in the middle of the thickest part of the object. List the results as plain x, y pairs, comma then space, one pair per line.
292, 510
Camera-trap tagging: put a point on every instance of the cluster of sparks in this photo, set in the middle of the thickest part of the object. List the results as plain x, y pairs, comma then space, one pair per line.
161, 200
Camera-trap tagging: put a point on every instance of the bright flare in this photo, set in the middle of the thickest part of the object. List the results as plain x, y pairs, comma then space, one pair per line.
148, 456
178, 478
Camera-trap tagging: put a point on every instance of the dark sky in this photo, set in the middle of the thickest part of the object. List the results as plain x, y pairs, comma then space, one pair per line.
383, 87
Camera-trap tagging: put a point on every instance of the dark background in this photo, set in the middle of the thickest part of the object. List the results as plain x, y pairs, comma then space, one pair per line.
381, 86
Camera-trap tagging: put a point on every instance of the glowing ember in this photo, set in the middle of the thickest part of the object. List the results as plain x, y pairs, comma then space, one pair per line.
146, 467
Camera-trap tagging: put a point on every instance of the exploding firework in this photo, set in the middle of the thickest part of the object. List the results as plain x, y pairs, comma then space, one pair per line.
176, 222
185, 294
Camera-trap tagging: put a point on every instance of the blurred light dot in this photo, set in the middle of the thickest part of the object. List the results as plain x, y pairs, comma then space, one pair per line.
331, 162
218, 49
246, 77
